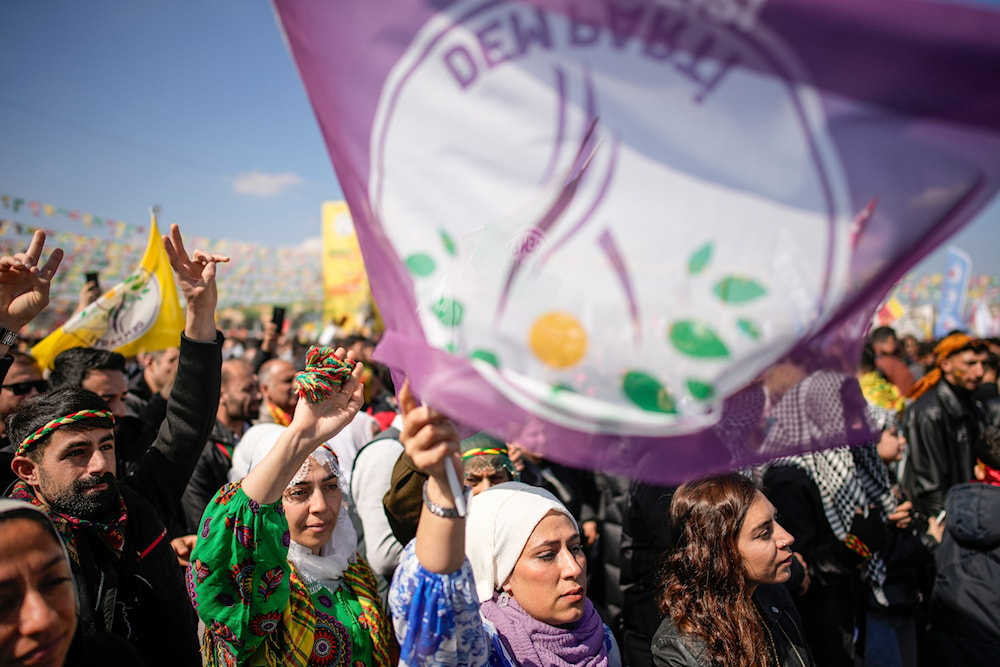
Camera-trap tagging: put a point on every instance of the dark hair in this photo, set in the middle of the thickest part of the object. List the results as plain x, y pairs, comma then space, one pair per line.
34, 515
704, 588
992, 362
37, 411
881, 334
384, 375
70, 368
867, 362
987, 447
23, 358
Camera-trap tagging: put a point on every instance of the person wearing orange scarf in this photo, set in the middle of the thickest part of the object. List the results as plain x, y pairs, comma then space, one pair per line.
943, 422
276, 377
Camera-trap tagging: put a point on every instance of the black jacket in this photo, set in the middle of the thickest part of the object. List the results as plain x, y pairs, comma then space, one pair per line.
670, 649
940, 429
143, 592
965, 604
645, 539
831, 606
210, 474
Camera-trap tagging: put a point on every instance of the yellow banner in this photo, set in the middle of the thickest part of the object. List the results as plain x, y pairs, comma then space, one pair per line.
142, 313
345, 283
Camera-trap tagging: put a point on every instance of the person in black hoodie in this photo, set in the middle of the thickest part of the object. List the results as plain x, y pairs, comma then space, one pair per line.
965, 604
127, 579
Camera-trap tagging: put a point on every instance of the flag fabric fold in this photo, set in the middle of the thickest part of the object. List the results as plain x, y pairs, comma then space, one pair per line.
626, 225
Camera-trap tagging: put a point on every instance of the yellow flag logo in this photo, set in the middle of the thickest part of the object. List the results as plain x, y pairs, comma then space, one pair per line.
142, 313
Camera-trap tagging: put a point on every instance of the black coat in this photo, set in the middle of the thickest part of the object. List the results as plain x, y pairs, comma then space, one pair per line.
940, 429
671, 649
645, 539
148, 604
831, 607
210, 474
965, 604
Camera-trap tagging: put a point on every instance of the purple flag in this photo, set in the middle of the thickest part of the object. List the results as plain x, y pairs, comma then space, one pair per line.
621, 233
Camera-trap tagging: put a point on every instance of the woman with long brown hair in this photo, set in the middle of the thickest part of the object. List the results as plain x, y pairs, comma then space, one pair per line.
721, 596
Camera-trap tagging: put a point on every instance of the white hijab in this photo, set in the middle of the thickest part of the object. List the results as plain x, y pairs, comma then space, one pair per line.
500, 521
327, 568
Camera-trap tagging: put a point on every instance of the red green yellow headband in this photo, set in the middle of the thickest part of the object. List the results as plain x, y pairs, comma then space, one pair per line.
485, 451
28, 443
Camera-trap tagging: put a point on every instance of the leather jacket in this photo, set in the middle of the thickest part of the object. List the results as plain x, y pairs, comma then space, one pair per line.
940, 429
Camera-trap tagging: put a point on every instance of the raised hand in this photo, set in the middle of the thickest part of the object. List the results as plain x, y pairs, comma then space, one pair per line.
323, 420
24, 285
196, 277
429, 438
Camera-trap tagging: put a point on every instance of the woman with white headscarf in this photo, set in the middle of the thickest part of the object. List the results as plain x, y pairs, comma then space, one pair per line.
275, 574
520, 596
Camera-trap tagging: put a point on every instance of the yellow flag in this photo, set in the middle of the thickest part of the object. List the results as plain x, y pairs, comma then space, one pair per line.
345, 283
142, 313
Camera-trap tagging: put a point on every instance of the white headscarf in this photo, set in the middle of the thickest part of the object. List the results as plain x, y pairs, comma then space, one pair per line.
327, 568
500, 521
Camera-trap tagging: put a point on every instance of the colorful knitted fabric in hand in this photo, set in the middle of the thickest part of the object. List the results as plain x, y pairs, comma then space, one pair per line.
324, 372
45, 431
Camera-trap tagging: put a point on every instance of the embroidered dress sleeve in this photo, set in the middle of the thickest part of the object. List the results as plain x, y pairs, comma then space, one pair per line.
238, 577
436, 617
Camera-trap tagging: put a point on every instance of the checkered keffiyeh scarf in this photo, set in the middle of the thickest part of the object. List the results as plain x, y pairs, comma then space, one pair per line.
847, 478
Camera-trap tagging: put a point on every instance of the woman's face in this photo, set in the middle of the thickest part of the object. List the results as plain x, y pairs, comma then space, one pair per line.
549, 580
37, 596
312, 507
891, 445
764, 545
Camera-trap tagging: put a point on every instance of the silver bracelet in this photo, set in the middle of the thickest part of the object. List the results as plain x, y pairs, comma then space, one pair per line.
438, 510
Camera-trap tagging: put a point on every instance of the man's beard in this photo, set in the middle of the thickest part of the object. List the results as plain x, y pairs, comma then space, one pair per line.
78, 502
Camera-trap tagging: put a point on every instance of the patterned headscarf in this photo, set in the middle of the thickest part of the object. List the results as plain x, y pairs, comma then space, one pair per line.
950, 346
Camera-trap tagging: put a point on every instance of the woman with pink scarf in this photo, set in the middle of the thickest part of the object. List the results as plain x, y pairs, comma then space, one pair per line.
507, 586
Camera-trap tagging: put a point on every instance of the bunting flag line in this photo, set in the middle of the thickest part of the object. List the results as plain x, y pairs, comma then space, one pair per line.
604, 221
142, 313
16, 204
293, 276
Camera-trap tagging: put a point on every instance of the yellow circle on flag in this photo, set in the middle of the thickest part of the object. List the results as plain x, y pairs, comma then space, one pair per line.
558, 340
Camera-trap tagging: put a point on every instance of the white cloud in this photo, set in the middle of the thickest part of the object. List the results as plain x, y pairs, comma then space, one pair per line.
311, 244
259, 184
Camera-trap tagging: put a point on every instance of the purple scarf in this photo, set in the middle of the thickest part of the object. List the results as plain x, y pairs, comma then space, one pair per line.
536, 644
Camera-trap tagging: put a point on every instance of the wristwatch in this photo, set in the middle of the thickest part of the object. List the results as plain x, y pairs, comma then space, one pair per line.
7, 337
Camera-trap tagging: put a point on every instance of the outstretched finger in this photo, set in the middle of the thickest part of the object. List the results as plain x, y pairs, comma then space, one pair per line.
178, 240
34, 250
203, 257
407, 401
49, 269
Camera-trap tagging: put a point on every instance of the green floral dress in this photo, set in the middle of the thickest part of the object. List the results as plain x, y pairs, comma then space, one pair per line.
255, 608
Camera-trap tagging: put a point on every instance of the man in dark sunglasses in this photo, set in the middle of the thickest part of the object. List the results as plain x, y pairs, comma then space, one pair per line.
24, 379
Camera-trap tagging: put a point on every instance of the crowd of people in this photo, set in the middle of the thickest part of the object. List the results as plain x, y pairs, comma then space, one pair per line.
229, 503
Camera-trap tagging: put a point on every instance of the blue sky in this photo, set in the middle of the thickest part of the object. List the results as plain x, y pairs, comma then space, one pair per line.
110, 106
